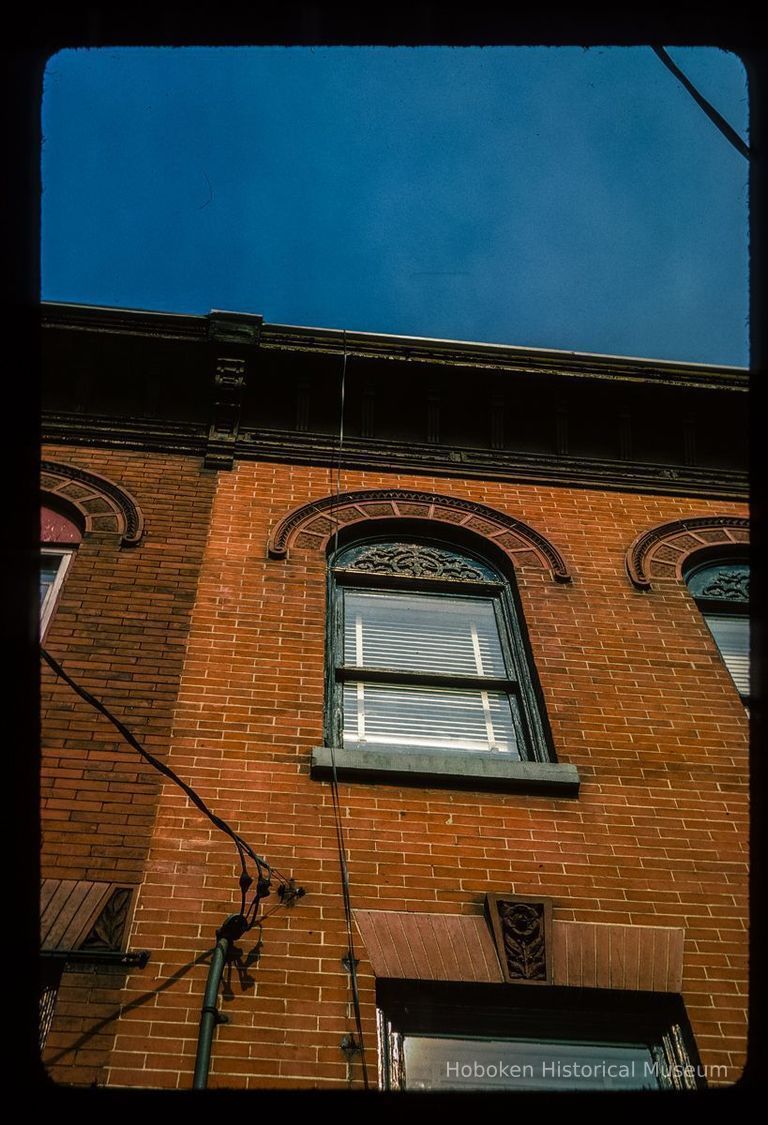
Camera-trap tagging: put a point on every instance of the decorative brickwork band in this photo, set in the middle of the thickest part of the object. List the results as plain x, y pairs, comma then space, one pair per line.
313, 525
521, 929
100, 504
663, 551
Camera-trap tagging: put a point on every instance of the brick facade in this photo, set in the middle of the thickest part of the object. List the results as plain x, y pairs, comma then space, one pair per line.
213, 653
120, 629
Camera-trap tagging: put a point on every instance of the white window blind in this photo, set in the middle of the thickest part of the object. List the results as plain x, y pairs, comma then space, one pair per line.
426, 633
422, 633
731, 633
404, 715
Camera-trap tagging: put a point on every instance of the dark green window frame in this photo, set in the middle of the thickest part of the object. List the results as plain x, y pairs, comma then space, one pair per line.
536, 768
716, 582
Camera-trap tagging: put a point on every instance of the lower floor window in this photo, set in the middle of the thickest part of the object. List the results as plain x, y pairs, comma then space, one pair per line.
50, 980
452, 1063
436, 1036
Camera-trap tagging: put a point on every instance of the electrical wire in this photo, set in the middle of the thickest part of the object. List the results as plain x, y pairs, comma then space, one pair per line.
337, 491
347, 902
264, 871
717, 119
344, 872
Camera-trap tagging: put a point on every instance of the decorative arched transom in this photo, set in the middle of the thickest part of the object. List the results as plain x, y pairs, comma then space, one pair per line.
662, 552
100, 504
314, 524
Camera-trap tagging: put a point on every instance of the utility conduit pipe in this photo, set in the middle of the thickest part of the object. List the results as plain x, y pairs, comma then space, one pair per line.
234, 926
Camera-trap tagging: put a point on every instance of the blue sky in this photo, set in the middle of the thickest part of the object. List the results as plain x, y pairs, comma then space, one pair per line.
545, 197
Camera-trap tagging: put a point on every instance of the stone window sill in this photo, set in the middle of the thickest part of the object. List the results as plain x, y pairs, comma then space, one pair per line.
446, 769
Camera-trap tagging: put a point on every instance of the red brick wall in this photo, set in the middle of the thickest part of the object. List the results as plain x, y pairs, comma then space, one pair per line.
637, 698
81, 1038
120, 630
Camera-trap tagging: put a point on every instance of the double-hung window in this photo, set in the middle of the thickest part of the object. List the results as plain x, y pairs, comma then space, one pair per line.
439, 1036
429, 669
60, 538
721, 590
53, 567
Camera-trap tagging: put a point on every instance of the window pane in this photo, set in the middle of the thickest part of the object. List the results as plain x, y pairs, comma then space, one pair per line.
422, 633
449, 1063
383, 714
50, 982
49, 568
732, 638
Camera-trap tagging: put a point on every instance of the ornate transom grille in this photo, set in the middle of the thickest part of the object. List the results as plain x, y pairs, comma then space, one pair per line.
414, 561
732, 586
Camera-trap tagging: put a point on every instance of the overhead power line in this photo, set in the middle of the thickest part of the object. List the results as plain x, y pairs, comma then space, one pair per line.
263, 869
351, 961
716, 118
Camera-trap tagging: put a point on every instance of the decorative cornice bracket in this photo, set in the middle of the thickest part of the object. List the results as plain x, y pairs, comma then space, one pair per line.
232, 339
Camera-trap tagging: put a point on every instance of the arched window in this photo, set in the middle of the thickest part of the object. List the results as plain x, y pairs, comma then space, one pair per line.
721, 589
430, 672
59, 538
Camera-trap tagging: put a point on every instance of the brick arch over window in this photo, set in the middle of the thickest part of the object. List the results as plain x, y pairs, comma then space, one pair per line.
662, 551
97, 504
313, 525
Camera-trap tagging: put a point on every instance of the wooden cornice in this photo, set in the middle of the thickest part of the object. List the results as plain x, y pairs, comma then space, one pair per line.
504, 358
404, 349
203, 385
126, 322
366, 453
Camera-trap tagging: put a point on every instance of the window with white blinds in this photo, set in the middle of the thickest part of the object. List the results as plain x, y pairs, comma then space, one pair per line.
422, 633
394, 715
431, 633
427, 654
731, 635
721, 590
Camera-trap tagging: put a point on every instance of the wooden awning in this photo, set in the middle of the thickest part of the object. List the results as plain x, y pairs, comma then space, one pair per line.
69, 909
607, 955
453, 947
429, 946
